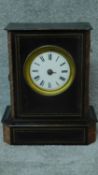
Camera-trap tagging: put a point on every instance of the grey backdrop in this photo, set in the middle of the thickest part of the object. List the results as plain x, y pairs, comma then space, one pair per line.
42, 160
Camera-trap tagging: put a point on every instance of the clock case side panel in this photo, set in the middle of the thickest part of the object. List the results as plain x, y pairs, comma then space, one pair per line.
86, 68
11, 76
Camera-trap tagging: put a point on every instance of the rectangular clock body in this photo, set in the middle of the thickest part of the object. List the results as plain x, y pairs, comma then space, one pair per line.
27, 103
28, 106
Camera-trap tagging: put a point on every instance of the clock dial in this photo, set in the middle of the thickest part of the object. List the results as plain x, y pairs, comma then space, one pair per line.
49, 70
48, 73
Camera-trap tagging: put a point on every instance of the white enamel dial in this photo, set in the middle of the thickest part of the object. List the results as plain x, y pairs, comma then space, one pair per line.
50, 70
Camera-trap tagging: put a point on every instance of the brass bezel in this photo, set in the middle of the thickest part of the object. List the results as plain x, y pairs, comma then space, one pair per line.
33, 55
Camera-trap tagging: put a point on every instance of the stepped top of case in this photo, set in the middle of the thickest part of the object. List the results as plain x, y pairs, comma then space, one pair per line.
48, 26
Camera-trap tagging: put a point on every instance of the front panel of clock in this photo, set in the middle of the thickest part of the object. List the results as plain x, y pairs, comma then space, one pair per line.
48, 73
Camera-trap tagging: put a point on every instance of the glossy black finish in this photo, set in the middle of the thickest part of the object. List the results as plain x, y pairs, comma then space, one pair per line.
27, 102
36, 119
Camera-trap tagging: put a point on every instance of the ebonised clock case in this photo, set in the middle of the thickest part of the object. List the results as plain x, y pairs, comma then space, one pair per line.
61, 119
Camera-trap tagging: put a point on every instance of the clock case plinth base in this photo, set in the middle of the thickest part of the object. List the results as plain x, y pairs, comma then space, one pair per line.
49, 133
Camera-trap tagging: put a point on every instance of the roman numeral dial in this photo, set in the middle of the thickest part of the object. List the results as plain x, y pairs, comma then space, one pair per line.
50, 70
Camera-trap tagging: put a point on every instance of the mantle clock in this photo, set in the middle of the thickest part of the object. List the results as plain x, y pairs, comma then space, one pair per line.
49, 84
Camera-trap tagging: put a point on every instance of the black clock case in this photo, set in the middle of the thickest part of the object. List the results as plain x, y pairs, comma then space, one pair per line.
36, 119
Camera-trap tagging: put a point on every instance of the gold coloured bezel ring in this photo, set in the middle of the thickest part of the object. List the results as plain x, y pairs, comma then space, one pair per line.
34, 54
